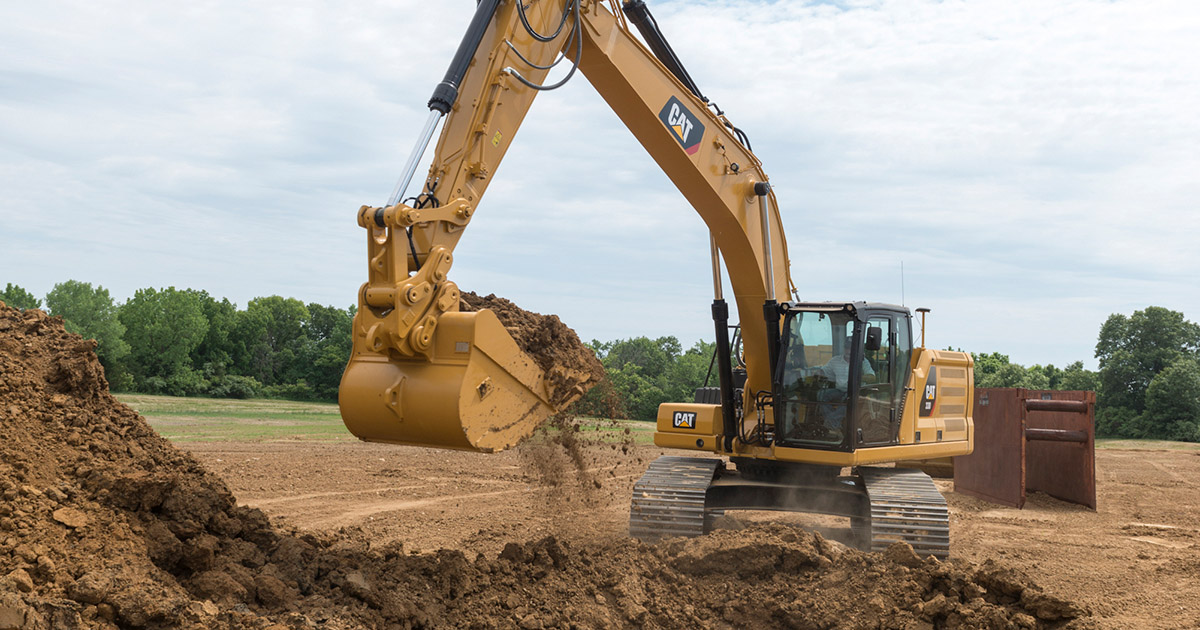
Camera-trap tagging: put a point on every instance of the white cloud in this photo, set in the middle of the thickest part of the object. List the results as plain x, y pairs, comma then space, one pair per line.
1033, 164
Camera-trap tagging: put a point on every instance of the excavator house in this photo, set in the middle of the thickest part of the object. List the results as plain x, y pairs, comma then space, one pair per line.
815, 398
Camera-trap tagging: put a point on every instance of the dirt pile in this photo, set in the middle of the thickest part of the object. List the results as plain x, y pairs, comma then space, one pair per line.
104, 524
571, 368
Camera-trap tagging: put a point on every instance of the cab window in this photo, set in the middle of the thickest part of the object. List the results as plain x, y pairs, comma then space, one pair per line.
814, 379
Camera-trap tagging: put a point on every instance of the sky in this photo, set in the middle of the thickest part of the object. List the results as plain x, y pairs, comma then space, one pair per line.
1033, 167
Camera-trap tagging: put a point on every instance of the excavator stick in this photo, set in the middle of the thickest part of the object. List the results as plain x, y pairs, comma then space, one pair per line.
476, 390
421, 372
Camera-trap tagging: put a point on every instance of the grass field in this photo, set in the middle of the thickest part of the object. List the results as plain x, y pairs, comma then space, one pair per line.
1147, 445
223, 420
217, 420
210, 419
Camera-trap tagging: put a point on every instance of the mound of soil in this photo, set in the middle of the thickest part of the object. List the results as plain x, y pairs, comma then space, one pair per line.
571, 368
104, 524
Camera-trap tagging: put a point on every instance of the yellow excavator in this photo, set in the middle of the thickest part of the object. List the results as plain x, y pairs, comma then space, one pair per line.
813, 396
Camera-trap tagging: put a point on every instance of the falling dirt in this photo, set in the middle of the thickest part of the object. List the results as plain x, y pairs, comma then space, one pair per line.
571, 368
104, 524
568, 460
560, 455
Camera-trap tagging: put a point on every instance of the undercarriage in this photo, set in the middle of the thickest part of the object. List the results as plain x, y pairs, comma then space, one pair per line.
682, 496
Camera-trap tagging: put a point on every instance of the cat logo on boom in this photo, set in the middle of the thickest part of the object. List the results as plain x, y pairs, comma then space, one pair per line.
684, 125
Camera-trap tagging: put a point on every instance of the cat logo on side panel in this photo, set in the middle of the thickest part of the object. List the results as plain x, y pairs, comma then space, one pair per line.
929, 395
684, 420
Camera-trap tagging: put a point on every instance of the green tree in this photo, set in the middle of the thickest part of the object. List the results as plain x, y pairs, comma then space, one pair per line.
987, 365
1123, 382
1117, 422
326, 349
1173, 403
89, 311
652, 356
17, 297
1075, 378
688, 371
248, 340
645, 373
639, 371
1133, 351
215, 352
1053, 375
163, 327
274, 331
640, 391
997, 371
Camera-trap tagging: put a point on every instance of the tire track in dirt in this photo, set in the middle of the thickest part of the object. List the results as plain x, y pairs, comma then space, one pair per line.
253, 501
1171, 473
350, 517
370, 508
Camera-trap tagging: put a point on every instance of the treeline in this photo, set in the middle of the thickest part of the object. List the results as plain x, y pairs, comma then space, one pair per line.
185, 342
1148, 384
995, 370
643, 373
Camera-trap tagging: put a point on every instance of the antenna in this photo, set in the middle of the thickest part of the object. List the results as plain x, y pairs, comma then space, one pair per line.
922, 311
902, 284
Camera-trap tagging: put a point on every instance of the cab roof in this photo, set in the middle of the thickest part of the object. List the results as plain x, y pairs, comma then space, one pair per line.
853, 307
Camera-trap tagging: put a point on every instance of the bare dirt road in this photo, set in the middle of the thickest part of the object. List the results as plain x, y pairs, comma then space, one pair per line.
1135, 562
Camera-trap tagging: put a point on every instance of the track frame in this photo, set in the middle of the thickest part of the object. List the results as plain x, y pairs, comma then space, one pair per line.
681, 496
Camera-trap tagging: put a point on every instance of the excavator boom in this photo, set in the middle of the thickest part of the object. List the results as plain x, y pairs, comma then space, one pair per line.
422, 372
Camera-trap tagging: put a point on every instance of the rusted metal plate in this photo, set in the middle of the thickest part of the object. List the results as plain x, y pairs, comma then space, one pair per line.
1062, 469
995, 471
1030, 440
1056, 435
1055, 404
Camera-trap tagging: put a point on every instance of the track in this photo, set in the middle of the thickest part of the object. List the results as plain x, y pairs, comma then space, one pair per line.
669, 499
676, 497
906, 506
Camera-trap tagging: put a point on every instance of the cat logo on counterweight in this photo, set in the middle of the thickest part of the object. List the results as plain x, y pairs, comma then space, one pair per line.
684, 125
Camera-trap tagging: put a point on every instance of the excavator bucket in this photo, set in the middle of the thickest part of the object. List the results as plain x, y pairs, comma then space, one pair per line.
477, 390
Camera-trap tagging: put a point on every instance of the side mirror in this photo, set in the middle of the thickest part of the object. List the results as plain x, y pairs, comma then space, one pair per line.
874, 339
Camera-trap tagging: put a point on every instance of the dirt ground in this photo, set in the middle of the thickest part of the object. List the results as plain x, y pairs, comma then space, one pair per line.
105, 524
1135, 563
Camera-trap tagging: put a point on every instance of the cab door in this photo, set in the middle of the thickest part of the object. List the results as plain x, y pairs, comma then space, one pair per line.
874, 411
884, 372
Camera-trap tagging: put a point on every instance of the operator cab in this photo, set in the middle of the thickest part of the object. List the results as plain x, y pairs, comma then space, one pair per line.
841, 376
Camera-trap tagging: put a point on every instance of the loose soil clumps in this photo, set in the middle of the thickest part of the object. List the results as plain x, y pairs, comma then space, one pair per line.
104, 524
571, 368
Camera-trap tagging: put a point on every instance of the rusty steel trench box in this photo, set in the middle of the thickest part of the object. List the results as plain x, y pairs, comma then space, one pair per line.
1030, 440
